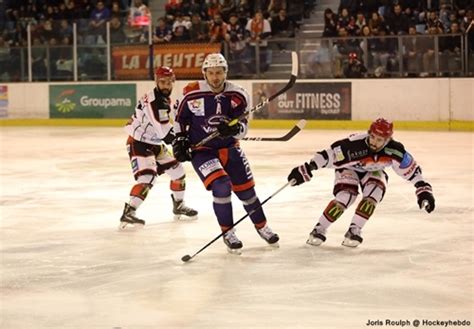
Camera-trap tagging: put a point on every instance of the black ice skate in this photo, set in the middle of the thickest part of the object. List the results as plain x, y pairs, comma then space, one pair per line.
234, 245
317, 236
129, 218
179, 210
267, 234
353, 237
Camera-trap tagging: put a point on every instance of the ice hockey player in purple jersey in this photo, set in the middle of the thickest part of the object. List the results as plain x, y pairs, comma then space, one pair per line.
207, 106
360, 160
149, 131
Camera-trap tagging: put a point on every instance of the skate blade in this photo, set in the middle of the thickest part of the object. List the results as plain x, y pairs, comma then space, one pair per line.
234, 251
314, 242
350, 243
274, 245
123, 226
184, 217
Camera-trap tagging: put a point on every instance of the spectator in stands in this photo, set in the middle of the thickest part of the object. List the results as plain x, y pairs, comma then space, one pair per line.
355, 69
349, 5
238, 51
99, 16
227, 7
282, 26
64, 63
199, 31
199, 7
139, 20
412, 52
342, 48
398, 22
360, 22
450, 46
330, 24
163, 33
275, 6
429, 53
344, 19
117, 34
65, 30
213, 8
259, 30
217, 29
38, 60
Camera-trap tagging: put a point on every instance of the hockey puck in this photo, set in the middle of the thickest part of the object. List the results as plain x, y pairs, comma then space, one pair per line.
185, 258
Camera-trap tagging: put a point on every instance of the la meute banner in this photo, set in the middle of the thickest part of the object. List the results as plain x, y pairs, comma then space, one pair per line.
306, 100
132, 62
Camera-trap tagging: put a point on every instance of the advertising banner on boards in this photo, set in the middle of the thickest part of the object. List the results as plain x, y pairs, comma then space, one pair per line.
306, 100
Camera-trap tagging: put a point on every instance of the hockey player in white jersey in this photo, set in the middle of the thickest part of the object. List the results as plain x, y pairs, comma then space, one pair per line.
360, 160
149, 131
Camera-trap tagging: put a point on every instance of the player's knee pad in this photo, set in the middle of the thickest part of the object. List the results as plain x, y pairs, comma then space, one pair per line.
374, 189
248, 196
334, 210
140, 190
366, 207
346, 197
221, 187
178, 184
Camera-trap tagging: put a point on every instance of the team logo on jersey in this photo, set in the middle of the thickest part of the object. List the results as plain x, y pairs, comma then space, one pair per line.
196, 106
338, 154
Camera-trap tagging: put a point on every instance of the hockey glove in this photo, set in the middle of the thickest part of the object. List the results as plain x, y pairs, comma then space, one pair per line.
227, 131
182, 149
168, 139
424, 194
301, 174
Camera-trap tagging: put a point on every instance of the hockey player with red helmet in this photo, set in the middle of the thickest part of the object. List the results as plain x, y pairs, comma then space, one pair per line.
149, 131
359, 160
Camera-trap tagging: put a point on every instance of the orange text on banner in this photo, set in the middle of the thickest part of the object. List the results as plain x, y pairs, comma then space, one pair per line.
131, 62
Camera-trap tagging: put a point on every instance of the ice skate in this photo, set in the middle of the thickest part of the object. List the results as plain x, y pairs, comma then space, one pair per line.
353, 237
317, 236
129, 219
267, 234
180, 209
234, 245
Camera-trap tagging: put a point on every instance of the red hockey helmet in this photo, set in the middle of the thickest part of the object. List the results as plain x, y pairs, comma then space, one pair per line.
381, 127
165, 72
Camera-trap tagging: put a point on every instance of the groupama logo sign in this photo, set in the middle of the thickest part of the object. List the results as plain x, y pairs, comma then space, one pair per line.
92, 100
63, 101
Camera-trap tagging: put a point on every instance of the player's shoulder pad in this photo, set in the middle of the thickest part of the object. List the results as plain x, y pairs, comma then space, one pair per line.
192, 86
394, 148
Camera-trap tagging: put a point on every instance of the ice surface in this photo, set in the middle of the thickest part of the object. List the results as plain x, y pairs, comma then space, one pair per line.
65, 265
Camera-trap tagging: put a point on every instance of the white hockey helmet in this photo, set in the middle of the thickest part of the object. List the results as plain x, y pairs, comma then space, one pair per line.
214, 60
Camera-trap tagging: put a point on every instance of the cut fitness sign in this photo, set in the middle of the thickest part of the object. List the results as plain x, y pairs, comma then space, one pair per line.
92, 101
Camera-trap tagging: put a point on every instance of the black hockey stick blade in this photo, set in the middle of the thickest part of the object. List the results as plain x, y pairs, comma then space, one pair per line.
289, 135
259, 106
187, 258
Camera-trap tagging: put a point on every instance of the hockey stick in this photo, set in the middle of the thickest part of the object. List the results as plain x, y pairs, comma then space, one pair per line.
187, 258
259, 106
289, 135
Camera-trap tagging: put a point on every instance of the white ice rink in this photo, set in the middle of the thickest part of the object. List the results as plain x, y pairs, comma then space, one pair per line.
65, 265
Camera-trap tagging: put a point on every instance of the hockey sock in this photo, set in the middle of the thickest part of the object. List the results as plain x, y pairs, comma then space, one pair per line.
177, 187
251, 202
221, 191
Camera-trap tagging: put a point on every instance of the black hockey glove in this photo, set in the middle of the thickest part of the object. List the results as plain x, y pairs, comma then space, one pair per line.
424, 193
168, 139
301, 174
226, 131
182, 148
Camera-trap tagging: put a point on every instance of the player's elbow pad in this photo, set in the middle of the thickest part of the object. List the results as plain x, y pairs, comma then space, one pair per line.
320, 160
